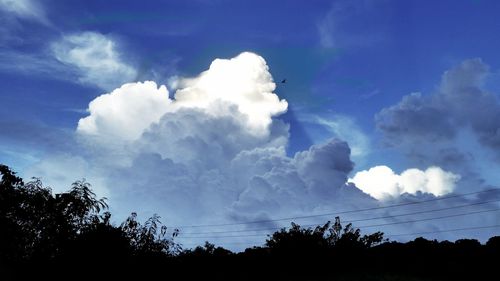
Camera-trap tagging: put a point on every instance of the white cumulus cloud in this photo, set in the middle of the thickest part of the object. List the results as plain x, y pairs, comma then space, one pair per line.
240, 87
96, 57
126, 112
244, 81
381, 182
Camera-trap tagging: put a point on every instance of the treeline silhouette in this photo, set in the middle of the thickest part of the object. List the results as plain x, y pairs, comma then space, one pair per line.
70, 236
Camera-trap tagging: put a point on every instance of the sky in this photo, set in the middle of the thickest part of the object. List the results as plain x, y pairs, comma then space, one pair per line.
237, 117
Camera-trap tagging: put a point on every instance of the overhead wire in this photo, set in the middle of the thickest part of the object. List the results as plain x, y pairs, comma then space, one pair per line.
361, 227
448, 230
351, 221
401, 234
338, 212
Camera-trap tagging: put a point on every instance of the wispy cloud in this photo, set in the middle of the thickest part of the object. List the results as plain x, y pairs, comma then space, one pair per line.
371, 94
25, 9
32, 64
96, 57
337, 29
344, 128
87, 58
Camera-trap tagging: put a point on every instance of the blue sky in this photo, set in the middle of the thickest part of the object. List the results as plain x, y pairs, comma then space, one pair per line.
350, 68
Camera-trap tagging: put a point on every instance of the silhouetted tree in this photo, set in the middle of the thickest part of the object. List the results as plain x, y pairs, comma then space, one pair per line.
321, 238
150, 238
12, 242
207, 250
35, 225
494, 243
80, 205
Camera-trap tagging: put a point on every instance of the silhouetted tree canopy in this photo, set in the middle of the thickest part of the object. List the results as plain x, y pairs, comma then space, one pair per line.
306, 241
207, 250
35, 225
57, 235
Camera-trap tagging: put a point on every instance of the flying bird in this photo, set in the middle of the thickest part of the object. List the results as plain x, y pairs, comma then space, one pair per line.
283, 81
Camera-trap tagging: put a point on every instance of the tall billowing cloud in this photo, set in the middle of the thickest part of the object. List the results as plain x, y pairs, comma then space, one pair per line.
214, 151
454, 131
457, 127
460, 102
382, 183
96, 58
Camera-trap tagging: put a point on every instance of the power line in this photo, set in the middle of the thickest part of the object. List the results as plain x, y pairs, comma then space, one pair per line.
366, 226
403, 234
338, 213
228, 243
349, 221
448, 230
428, 219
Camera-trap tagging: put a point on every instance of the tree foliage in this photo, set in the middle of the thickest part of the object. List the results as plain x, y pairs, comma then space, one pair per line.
150, 238
74, 228
36, 225
322, 238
